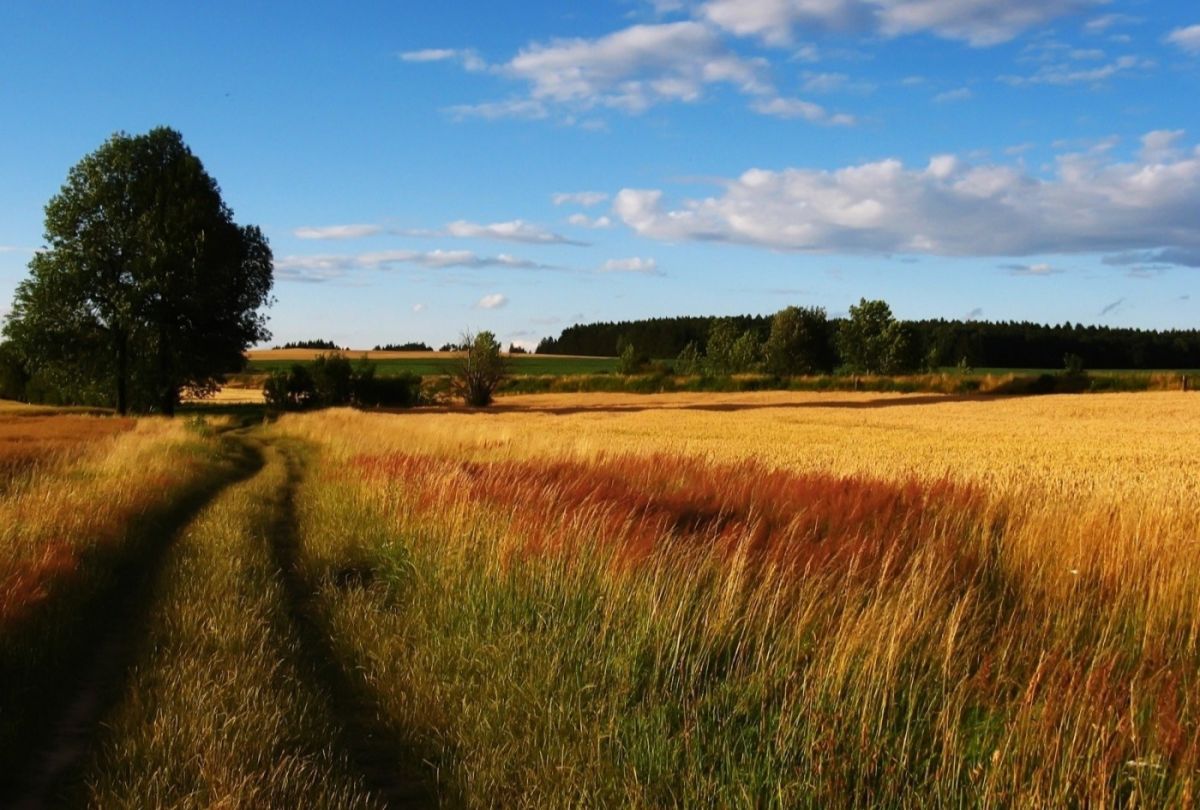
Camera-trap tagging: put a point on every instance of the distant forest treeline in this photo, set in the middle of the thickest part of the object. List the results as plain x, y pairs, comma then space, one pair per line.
981, 344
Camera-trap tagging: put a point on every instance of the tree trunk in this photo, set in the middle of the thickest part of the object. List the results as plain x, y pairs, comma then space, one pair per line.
169, 391
122, 373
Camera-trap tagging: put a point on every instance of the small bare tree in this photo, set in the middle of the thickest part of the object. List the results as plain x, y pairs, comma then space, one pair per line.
480, 370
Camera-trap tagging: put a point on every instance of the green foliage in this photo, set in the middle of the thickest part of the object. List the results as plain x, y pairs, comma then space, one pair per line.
290, 390
630, 360
373, 391
404, 347
328, 345
799, 342
1072, 364
872, 341
689, 361
147, 287
14, 378
480, 370
333, 381
745, 353
728, 352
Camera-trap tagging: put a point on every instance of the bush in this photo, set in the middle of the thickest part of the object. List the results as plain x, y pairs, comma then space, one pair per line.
631, 361
290, 390
480, 371
333, 380
402, 391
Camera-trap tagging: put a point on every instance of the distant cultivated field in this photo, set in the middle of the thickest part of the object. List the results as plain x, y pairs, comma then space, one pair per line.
434, 363
771, 599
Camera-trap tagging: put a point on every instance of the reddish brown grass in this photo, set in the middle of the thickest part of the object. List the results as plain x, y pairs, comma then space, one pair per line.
28, 440
806, 522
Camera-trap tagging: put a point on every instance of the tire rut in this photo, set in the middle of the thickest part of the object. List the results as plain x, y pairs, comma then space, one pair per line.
390, 764
92, 676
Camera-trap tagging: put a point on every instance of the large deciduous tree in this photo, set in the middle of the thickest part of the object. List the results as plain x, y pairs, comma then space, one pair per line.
147, 287
872, 341
800, 342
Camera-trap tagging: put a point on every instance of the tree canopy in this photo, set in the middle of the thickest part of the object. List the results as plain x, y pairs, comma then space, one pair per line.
147, 286
480, 370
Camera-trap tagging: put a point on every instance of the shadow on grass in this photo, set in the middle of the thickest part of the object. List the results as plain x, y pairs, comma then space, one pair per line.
66, 664
899, 401
395, 766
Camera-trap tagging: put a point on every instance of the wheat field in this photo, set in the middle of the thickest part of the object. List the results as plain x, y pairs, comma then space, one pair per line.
741, 600
774, 599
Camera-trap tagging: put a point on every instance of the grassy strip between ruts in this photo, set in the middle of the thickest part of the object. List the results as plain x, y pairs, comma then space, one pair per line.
220, 710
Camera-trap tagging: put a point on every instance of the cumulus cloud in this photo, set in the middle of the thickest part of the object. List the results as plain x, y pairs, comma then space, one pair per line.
329, 267
1161, 145
1090, 203
977, 22
584, 221
1186, 39
634, 264
337, 231
492, 301
634, 68
584, 198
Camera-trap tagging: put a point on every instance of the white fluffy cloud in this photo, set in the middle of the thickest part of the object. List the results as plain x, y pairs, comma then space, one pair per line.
1187, 38
978, 22
337, 231
634, 68
630, 70
1091, 203
492, 301
634, 264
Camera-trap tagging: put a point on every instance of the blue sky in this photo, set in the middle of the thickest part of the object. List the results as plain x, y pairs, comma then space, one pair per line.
423, 169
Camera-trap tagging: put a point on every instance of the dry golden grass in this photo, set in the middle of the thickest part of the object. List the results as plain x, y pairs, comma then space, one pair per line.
1037, 648
1122, 446
30, 436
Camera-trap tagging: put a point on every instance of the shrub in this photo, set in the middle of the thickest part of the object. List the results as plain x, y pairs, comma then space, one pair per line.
402, 391
480, 370
290, 390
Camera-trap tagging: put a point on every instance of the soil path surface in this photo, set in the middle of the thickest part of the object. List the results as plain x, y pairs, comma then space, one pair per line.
391, 768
